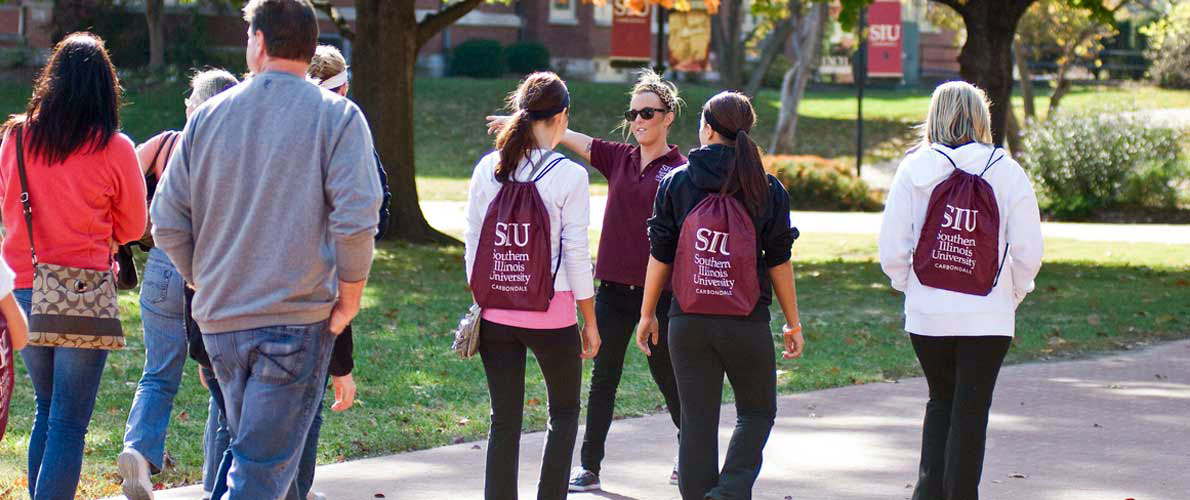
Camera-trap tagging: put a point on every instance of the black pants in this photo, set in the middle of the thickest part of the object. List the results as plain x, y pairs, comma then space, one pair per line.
503, 350
703, 349
961, 373
617, 309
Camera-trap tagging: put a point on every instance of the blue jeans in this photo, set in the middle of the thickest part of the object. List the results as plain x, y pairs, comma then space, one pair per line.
165, 356
271, 378
217, 436
65, 384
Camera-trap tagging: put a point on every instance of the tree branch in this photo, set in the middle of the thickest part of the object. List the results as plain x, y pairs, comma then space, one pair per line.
340, 22
436, 22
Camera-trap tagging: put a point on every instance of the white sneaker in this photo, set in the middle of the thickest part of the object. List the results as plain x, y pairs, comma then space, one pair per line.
206, 495
315, 496
135, 471
673, 476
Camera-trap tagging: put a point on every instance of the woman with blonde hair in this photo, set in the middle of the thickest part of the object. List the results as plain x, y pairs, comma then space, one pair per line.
633, 173
961, 295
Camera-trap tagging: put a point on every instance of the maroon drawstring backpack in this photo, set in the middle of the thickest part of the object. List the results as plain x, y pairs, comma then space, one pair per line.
958, 249
512, 260
715, 264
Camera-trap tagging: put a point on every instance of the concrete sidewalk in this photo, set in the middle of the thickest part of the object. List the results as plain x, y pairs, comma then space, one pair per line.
448, 216
1108, 428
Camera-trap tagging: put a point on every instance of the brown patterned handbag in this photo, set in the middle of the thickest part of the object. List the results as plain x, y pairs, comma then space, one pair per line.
72, 307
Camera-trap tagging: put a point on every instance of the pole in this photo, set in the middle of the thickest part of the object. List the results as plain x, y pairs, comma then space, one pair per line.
861, 77
659, 66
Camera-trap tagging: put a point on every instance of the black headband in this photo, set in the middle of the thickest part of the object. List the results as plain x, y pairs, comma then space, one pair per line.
549, 113
718, 127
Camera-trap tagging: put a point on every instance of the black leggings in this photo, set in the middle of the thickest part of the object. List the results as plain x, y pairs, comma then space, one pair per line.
503, 349
961, 373
617, 308
703, 350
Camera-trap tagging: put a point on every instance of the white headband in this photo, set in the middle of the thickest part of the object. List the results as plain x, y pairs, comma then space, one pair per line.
333, 82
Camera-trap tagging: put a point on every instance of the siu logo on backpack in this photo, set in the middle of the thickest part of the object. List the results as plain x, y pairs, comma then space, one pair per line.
958, 249
715, 263
512, 260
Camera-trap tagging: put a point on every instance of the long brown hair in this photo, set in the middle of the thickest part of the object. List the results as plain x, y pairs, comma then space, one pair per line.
75, 102
731, 115
540, 96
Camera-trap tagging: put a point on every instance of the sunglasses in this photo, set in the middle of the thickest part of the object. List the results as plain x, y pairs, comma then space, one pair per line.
646, 113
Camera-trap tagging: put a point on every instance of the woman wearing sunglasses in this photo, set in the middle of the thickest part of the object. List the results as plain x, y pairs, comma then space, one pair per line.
633, 173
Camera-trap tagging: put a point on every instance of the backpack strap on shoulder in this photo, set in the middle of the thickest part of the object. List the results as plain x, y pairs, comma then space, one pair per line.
992, 160
944, 155
549, 166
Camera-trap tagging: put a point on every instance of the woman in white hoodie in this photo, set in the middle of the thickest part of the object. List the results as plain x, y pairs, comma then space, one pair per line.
960, 338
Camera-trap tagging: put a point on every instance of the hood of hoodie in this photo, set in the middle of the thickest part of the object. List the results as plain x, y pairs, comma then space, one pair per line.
708, 166
928, 164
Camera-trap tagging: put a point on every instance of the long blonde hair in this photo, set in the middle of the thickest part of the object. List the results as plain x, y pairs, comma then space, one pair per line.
958, 114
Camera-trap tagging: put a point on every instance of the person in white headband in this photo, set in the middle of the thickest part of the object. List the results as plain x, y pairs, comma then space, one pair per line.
328, 69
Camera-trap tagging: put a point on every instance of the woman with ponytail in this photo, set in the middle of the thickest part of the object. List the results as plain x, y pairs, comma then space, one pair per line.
710, 333
633, 173
525, 167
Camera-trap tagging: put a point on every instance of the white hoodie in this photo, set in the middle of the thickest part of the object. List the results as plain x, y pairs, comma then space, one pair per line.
936, 312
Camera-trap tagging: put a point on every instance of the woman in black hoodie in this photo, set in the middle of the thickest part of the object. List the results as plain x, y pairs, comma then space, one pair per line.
706, 346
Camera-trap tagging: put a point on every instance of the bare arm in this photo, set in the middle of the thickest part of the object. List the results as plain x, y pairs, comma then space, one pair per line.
655, 277
18, 329
786, 291
575, 141
590, 333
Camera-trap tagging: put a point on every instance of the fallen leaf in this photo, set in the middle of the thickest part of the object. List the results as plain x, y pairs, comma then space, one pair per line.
379, 495
1097, 426
476, 447
1160, 377
533, 402
1018, 475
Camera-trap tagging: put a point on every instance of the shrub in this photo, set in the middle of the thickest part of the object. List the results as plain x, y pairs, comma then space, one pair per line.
526, 57
816, 183
477, 58
1169, 47
1083, 164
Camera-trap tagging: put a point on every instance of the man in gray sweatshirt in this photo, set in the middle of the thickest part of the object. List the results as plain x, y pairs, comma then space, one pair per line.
268, 208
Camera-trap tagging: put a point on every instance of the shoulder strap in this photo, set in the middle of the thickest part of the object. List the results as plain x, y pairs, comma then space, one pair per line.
991, 161
936, 150
548, 167
171, 139
27, 208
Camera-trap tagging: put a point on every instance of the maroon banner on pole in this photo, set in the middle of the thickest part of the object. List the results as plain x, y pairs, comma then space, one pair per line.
884, 39
631, 32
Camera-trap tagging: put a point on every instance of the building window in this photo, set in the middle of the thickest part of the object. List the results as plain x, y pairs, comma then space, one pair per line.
603, 14
563, 12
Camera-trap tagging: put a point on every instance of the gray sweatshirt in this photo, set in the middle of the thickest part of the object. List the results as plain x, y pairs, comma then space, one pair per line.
269, 201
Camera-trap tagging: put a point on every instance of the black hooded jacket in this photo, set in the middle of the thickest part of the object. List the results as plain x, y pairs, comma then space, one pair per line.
681, 190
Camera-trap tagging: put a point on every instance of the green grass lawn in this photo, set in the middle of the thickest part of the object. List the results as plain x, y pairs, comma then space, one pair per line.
1091, 297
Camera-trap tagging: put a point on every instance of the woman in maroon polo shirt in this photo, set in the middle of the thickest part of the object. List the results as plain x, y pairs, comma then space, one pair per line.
633, 173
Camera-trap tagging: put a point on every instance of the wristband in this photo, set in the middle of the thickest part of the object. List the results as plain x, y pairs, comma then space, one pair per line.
788, 330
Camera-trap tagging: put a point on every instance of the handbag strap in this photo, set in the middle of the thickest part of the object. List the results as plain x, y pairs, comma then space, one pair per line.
26, 207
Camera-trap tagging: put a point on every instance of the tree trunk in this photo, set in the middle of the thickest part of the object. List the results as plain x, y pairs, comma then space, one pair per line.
385, 53
986, 58
153, 11
1022, 67
1015, 146
726, 27
772, 47
1063, 84
807, 44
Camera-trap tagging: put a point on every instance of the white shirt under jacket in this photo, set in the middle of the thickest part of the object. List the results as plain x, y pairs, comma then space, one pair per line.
567, 197
936, 312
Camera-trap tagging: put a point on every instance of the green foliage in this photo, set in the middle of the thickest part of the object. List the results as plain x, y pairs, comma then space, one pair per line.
1083, 164
477, 58
1169, 47
816, 183
526, 57
125, 34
